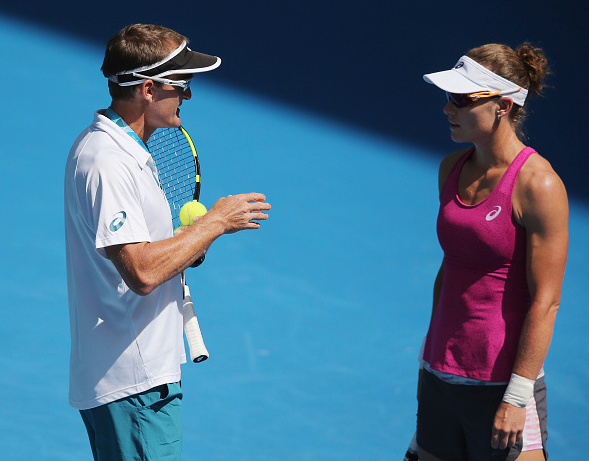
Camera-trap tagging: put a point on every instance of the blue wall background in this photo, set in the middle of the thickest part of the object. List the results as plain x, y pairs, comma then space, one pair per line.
362, 62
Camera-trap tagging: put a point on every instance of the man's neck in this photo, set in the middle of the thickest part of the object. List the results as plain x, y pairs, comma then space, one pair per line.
134, 116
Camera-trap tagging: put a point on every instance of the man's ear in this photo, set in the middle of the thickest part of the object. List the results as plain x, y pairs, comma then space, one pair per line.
146, 90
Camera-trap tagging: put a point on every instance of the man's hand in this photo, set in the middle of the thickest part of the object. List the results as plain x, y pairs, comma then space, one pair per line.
238, 212
508, 426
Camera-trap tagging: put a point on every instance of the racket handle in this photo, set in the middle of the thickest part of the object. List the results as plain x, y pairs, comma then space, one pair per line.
198, 350
198, 262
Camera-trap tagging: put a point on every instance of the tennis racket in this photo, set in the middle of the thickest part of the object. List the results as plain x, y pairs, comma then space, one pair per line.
178, 169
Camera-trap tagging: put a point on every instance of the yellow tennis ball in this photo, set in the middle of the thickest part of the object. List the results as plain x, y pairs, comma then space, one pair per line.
191, 210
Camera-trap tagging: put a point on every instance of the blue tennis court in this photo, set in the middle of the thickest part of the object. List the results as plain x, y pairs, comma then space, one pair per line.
313, 322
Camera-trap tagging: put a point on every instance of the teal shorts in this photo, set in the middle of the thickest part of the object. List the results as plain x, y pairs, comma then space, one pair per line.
145, 426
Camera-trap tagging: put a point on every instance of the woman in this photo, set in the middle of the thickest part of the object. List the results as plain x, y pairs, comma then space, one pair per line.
503, 228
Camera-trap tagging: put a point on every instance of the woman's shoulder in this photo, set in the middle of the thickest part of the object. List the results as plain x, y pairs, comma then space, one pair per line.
537, 175
448, 163
538, 186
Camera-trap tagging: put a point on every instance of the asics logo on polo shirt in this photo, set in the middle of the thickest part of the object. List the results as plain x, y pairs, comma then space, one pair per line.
493, 213
118, 221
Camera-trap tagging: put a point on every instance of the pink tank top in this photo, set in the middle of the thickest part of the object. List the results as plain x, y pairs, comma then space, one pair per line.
484, 299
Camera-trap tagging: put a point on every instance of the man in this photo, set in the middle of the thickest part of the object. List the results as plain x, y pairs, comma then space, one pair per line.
123, 260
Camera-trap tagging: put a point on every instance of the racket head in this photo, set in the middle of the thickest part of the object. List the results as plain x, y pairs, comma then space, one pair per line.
176, 160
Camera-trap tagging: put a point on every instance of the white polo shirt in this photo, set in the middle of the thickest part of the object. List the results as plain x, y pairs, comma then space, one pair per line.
121, 343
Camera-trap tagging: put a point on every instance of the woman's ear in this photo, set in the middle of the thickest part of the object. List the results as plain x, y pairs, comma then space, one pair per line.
505, 106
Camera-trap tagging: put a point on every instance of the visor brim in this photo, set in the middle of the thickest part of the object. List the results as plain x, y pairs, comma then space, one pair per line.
196, 63
453, 82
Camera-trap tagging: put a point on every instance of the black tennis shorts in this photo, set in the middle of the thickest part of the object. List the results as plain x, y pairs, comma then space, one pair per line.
455, 421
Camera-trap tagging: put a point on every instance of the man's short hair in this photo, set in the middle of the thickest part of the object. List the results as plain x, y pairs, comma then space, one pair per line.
136, 46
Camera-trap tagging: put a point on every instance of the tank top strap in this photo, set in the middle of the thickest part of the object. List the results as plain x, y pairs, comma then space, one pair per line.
450, 188
509, 177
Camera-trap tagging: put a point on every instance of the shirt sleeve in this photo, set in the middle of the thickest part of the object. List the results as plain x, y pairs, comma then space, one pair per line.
114, 202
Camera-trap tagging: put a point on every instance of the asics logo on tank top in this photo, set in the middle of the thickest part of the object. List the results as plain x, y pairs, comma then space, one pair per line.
493, 213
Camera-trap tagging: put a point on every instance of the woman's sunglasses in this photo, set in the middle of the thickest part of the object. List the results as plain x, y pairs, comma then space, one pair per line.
465, 100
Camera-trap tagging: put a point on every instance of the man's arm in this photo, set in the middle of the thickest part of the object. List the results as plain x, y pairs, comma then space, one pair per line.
146, 265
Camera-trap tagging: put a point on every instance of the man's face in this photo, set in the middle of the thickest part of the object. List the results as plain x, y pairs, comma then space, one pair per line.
167, 99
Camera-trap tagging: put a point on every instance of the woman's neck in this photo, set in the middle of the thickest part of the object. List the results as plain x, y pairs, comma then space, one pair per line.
499, 149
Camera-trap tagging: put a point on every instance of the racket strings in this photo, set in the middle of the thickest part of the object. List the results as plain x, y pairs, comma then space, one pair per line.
176, 166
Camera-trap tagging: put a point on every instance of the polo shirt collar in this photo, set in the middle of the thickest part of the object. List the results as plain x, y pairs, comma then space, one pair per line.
131, 144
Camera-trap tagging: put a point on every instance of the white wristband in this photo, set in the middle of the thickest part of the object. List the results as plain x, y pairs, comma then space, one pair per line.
519, 391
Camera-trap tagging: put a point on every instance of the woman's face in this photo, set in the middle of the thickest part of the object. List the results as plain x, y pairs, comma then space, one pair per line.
473, 123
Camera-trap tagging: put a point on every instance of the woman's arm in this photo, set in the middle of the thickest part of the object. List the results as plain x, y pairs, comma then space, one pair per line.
541, 206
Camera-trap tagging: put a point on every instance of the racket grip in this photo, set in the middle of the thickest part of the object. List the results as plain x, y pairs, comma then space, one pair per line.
198, 350
198, 262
